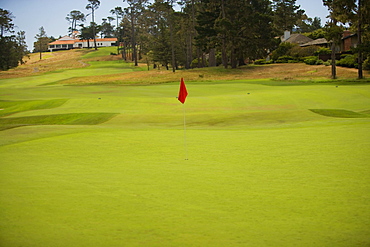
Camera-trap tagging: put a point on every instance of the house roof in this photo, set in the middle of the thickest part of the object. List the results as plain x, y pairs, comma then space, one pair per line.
350, 36
320, 41
298, 38
62, 42
70, 41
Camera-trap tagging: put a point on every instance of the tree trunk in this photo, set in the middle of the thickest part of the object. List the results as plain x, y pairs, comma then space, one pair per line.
192, 34
199, 58
188, 51
93, 19
333, 65
134, 55
40, 49
234, 60
172, 42
224, 55
359, 34
212, 58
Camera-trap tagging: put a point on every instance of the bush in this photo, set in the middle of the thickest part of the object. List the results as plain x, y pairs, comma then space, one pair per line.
310, 60
348, 61
282, 50
323, 51
262, 61
327, 63
313, 60
194, 63
299, 52
366, 64
286, 59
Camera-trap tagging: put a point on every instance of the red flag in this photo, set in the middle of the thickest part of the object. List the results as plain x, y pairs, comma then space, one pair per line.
183, 92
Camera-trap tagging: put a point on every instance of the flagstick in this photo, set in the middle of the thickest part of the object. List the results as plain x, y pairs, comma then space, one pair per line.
185, 144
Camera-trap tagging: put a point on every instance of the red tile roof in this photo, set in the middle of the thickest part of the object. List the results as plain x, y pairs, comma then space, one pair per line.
62, 42
65, 42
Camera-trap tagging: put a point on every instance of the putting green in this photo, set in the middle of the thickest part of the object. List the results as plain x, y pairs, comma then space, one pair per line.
262, 169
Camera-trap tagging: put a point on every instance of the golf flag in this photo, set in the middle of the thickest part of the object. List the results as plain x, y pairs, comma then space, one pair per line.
183, 92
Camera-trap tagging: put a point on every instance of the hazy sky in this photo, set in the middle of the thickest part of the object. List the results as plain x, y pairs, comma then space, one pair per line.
30, 15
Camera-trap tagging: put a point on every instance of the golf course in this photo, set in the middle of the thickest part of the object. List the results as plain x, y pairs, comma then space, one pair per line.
95, 152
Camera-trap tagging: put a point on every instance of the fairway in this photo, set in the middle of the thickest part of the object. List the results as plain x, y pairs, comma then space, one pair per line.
269, 163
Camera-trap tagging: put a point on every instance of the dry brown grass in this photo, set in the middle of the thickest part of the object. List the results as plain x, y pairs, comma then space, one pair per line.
72, 59
50, 62
297, 71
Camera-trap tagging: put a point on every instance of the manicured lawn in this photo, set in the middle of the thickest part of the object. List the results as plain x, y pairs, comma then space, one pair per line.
268, 164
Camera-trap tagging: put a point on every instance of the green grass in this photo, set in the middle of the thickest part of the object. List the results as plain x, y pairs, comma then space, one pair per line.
339, 113
11, 107
262, 170
101, 52
58, 119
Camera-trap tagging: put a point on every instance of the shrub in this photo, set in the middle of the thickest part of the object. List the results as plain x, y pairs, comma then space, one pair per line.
282, 50
327, 63
194, 63
348, 61
299, 52
319, 62
366, 64
323, 51
286, 59
262, 61
313, 60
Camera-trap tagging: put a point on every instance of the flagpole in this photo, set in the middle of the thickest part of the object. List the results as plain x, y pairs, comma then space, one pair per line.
185, 143
182, 97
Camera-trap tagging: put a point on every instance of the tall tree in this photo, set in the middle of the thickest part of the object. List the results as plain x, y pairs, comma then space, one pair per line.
286, 14
118, 12
93, 5
6, 24
190, 12
240, 29
41, 44
106, 29
171, 25
134, 11
13, 48
73, 17
306, 24
354, 12
87, 34
159, 28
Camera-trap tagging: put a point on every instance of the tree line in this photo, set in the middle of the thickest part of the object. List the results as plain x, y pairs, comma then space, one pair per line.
355, 13
197, 33
13, 48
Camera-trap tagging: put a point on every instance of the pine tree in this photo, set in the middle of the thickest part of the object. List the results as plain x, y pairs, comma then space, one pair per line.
286, 14
42, 42
93, 5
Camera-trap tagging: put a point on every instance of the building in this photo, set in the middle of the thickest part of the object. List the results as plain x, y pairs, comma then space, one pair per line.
321, 42
66, 43
349, 40
295, 38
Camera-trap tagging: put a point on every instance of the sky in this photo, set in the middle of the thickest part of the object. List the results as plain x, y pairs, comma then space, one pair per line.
30, 15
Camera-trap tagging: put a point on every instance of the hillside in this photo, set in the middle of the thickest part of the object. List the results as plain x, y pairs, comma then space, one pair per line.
101, 59
244, 162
